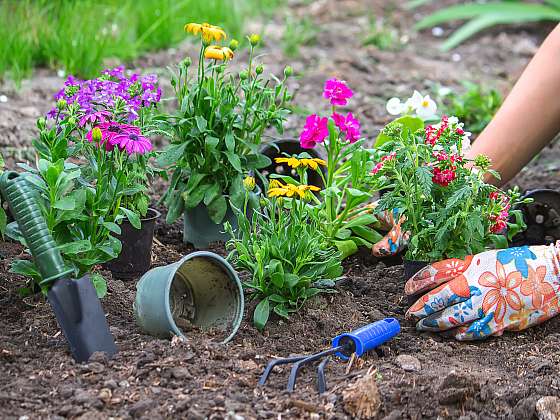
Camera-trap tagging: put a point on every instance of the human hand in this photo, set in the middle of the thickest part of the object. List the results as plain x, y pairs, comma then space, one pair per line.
394, 241
488, 293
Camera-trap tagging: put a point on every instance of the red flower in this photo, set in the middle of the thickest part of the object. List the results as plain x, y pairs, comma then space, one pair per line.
444, 177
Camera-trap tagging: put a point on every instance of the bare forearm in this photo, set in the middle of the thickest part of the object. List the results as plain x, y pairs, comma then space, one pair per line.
530, 116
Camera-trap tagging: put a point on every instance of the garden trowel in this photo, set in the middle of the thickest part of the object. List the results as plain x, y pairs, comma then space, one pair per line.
74, 301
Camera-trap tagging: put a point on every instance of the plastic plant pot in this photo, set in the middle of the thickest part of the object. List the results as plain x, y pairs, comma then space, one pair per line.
136, 255
201, 292
289, 147
200, 231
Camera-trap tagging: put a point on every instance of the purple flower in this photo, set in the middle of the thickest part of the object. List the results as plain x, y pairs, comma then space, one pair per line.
337, 92
109, 130
348, 125
315, 131
132, 143
95, 118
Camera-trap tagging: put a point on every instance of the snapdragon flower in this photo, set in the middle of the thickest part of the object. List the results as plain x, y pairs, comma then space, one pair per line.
348, 125
315, 131
338, 92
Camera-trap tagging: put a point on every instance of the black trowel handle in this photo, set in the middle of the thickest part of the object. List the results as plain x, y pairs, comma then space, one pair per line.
22, 200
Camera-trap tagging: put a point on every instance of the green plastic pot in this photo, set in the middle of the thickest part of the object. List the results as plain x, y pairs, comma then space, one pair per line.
199, 292
200, 231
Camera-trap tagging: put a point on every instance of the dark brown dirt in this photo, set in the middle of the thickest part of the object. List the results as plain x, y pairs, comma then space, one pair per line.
499, 378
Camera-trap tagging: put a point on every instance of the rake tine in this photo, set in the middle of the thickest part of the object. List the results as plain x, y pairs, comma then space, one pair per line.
277, 362
321, 380
297, 365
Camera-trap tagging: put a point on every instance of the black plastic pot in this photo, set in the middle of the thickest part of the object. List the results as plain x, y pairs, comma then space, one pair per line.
136, 255
542, 217
410, 269
289, 147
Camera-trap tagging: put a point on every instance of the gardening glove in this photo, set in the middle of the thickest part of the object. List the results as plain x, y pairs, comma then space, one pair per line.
488, 293
394, 241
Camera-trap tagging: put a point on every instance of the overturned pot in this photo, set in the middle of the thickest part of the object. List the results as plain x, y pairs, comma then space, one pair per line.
200, 292
136, 254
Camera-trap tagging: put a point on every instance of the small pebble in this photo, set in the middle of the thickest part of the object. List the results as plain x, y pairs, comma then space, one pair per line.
408, 363
437, 31
548, 408
3, 99
456, 57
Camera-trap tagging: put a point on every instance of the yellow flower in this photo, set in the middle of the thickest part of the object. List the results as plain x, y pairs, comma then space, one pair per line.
274, 183
249, 183
216, 52
289, 190
209, 32
293, 162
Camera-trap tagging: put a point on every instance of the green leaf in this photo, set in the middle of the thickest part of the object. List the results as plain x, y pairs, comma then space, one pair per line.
281, 311
424, 178
75, 247
362, 220
195, 196
347, 248
291, 280
217, 209
234, 160
132, 217
100, 285
367, 233
459, 196
412, 123
25, 268
3, 222
261, 314
175, 207
230, 141
211, 193
259, 161
65, 203
201, 123
171, 154
211, 142
356, 197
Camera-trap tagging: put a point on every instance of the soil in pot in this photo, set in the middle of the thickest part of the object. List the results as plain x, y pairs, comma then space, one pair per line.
136, 255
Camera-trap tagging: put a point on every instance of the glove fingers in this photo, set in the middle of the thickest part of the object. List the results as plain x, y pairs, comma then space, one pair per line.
478, 330
445, 295
461, 313
391, 244
435, 274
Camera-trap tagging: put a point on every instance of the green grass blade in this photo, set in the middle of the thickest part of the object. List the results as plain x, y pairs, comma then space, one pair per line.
553, 3
487, 21
512, 12
413, 4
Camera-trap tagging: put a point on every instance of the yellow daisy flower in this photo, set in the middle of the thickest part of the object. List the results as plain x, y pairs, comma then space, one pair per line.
289, 190
215, 52
293, 162
209, 32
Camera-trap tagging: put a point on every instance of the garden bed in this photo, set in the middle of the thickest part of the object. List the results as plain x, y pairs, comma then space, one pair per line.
499, 378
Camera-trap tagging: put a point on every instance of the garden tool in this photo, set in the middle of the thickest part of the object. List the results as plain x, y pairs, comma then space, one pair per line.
74, 301
357, 342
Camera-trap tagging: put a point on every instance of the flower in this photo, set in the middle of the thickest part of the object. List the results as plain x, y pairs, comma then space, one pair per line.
535, 286
216, 52
424, 106
315, 131
294, 162
95, 117
337, 92
289, 190
443, 177
381, 163
249, 183
254, 39
109, 130
395, 106
132, 143
502, 292
348, 125
209, 32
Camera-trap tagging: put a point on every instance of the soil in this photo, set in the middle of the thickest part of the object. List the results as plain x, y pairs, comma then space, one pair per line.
417, 375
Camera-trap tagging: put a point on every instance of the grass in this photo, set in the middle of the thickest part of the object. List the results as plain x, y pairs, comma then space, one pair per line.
77, 35
298, 32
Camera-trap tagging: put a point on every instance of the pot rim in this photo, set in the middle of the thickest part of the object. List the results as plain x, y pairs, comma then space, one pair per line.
155, 215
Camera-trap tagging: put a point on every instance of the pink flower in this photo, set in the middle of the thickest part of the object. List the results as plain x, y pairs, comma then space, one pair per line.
109, 130
348, 125
378, 166
132, 142
433, 133
315, 131
95, 117
443, 177
337, 92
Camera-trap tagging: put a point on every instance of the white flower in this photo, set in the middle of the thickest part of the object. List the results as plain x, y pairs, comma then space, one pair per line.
414, 101
395, 106
444, 91
466, 142
453, 120
423, 106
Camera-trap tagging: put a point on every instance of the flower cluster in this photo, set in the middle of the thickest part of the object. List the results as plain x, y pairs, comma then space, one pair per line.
451, 129
112, 92
378, 166
125, 136
499, 217
422, 106
316, 128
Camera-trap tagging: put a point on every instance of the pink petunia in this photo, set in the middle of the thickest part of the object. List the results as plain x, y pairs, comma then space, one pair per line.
315, 131
348, 125
133, 143
337, 92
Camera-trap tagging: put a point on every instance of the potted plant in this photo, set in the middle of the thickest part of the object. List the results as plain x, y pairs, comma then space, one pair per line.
449, 210
216, 134
342, 205
105, 123
283, 247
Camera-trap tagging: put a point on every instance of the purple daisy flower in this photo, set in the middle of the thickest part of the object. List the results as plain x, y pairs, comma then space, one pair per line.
95, 117
132, 142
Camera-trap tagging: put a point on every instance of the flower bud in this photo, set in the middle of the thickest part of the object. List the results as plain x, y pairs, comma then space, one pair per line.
96, 135
483, 162
71, 121
288, 71
61, 104
41, 123
234, 44
259, 69
244, 75
186, 63
254, 39
249, 183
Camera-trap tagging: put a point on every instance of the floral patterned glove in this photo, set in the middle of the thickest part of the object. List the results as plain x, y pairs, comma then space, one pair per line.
489, 293
395, 240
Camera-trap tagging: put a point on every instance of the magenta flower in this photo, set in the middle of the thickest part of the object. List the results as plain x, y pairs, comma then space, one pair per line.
109, 130
95, 118
337, 92
348, 125
315, 131
132, 143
